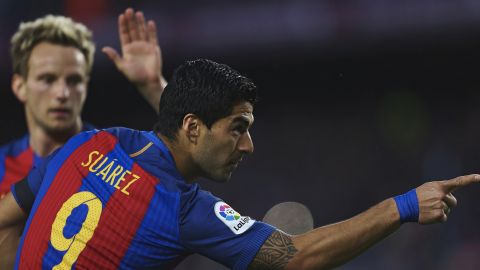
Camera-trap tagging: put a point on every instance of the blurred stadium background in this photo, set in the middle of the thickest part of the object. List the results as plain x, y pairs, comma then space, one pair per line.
361, 100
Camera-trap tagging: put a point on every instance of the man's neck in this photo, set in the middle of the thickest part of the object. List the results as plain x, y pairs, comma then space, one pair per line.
181, 157
43, 143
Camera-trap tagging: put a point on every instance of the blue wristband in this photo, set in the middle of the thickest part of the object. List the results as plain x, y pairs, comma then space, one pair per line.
407, 205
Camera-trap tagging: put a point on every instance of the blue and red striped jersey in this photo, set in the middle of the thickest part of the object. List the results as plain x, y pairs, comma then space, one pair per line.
17, 160
113, 199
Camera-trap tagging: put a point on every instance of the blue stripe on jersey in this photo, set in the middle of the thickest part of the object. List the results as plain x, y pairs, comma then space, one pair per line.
37, 160
160, 224
163, 148
159, 229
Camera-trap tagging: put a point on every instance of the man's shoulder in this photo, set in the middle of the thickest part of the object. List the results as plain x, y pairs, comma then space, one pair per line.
131, 140
15, 146
87, 126
121, 134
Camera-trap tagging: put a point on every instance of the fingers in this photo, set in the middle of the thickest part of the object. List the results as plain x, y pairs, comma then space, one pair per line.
113, 55
142, 28
436, 200
441, 212
135, 26
132, 25
444, 218
444, 207
445, 212
450, 200
152, 32
123, 30
461, 181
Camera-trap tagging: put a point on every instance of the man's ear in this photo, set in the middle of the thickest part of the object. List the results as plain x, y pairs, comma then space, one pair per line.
191, 127
18, 87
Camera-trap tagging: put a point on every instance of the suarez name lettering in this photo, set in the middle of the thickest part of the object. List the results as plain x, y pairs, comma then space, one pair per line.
115, 177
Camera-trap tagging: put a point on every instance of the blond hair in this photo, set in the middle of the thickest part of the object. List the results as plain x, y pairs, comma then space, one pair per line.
54, 29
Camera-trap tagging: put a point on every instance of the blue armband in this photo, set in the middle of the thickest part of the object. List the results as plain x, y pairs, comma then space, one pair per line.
407, 205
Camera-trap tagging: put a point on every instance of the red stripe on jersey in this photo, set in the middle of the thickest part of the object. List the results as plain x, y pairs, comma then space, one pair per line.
118, 224
16, 168
67, 181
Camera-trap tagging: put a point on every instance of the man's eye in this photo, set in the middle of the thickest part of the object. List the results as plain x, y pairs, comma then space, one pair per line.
47, 79
239, 129
72, 81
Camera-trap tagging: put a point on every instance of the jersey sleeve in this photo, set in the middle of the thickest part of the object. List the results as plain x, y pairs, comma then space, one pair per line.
27, 189
212, 228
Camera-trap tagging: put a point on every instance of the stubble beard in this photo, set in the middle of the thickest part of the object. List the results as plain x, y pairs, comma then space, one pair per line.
58, 133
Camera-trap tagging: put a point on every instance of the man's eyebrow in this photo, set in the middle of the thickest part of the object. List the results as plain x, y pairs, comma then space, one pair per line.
243, 119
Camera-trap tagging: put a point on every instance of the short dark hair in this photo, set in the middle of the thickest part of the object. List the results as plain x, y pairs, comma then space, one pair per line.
204, 88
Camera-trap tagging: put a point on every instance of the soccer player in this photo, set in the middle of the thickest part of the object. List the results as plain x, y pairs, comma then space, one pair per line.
122, 198
52, 59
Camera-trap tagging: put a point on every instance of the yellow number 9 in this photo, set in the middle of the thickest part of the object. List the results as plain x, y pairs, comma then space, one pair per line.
75, 245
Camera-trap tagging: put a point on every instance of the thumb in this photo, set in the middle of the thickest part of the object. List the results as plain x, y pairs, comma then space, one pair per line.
113, 55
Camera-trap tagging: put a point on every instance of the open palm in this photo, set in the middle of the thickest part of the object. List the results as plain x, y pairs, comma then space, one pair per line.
141, 59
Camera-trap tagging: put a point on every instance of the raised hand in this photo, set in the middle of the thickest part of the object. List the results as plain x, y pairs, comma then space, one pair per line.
435, 199
141, 60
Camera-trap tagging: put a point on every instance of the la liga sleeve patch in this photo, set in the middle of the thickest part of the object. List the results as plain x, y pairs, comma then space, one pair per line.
237, 223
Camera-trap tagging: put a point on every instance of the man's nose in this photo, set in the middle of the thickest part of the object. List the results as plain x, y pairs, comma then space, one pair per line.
62, 90
245, 143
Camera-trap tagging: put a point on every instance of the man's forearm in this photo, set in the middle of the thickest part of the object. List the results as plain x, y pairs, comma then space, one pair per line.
9, 240
10, 212
331, 245
12, 221
152, 92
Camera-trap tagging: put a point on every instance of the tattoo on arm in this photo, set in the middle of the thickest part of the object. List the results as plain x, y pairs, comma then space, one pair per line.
275, 253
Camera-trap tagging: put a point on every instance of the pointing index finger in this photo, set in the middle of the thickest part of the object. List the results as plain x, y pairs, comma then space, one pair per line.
461, 181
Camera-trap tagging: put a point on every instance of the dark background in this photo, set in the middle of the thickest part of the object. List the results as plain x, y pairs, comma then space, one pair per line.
361, 100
